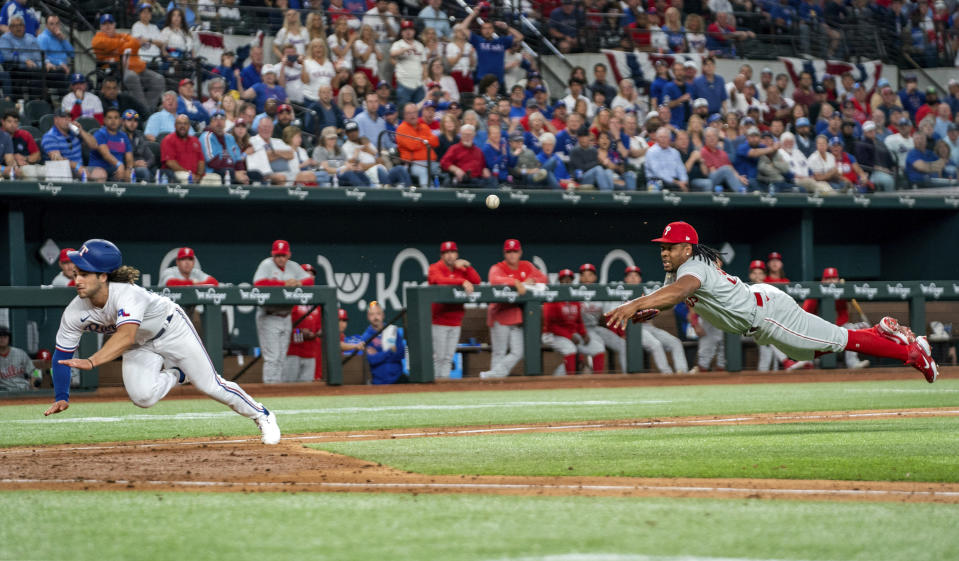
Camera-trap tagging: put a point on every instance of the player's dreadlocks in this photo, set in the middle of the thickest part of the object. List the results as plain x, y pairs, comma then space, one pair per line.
707, 254
125, 273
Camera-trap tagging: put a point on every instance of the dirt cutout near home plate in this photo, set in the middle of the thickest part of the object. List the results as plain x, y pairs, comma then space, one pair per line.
245, 465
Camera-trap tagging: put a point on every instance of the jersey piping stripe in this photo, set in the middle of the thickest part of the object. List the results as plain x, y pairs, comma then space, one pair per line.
136, 321
801, 336
59, 348
216, 375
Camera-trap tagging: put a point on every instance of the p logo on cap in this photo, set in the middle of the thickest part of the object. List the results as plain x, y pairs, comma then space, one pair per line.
281, 247
830, 273
679, 232
185, 253
757, 264
565, 273
448, 246
587, 267
512, 245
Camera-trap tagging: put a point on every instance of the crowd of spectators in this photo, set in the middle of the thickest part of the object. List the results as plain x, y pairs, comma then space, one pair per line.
401, 94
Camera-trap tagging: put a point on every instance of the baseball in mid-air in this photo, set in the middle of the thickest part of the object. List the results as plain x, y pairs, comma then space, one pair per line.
492, 202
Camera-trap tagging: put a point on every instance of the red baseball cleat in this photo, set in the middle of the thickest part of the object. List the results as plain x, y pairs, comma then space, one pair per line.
891, 329
920, 358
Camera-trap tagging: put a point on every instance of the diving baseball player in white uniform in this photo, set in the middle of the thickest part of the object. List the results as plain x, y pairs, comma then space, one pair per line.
159, 345
762, 311
273, 324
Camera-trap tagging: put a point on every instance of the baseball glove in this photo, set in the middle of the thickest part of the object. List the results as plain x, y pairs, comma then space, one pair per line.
643, 316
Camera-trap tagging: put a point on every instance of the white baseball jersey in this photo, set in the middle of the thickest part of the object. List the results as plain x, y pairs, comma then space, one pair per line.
196, 275
90, 105
60, 280
724, 300
267, 270
126, 304
15, 366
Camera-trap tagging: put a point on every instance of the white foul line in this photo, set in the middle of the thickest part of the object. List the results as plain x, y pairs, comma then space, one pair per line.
497, 486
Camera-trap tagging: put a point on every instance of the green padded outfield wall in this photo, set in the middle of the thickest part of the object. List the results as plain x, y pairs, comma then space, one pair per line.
369, 246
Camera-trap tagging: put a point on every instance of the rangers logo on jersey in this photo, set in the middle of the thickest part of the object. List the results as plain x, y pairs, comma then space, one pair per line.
122, 314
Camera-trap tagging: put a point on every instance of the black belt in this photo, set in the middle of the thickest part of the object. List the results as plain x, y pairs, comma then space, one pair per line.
163, 330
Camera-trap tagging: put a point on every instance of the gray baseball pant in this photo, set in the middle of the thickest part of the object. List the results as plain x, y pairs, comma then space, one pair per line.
711, 344
274, 334
507, 343
445, 339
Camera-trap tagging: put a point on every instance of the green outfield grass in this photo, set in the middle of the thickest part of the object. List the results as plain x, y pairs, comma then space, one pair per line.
115, 526
121, 420
921, 449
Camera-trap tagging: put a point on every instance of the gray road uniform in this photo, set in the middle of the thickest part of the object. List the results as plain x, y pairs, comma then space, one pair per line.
273, 325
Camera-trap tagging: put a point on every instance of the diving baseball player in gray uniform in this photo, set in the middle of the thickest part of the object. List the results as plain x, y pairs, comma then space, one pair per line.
159, 345
762, 311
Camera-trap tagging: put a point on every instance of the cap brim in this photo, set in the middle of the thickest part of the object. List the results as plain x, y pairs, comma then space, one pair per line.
663, 240
82, 263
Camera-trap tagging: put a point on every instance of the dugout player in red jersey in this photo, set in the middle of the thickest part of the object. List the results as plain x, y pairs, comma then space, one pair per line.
830, 275
505, 320
448, 318
564, 332
304, 357
775, 272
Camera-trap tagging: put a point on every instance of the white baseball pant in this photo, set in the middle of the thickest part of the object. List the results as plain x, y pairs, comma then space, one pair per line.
783, 323
593, 348
661, 341
611, 341
561, 345
298, 369
445, 339
770, 358
711, 344
146, 381
274, 333
507, 348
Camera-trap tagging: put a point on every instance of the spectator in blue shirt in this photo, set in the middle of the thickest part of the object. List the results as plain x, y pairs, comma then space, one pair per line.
711, 87
676, 96
251, 72
664, 166
497, 154
748, 154
566, 138
18, 7
910, 96
434, 16
58, 53
384, 352
266, 89
490, 50
21, 55
164, 120
564, 25
62, 143
923, 166
189, 104
659, 82
114, 151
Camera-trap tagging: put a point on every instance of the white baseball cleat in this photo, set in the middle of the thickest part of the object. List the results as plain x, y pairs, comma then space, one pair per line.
268, 427
859, 365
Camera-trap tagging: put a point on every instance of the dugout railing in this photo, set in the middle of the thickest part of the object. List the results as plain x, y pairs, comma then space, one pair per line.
419, 300
211, 298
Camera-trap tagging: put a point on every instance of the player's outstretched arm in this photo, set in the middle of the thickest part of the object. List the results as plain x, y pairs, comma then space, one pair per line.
117, 344
663, 299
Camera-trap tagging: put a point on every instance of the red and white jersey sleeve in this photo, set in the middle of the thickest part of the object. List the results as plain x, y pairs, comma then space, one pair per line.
268, 274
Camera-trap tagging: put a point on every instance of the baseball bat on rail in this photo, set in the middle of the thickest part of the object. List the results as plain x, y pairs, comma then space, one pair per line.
857, 307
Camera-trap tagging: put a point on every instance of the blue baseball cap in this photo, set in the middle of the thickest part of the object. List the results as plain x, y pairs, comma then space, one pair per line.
835, 141
882, 83
78, 79
802, 122
749, 121
107, 18
142, 7
389, 109
713, 118
218, 113
130, 114
382, 84
560, 103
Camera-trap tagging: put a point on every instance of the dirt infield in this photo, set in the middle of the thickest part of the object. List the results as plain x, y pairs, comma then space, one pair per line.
244, 465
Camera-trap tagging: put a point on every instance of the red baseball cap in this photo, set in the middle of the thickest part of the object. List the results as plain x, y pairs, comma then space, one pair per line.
407, 24
63, 254
309, 268
774, 255
185, 81
566, 273
830, 273
341, 313
633, 269
757, 264
512, 245
44, 354
185, 253
587, 267
281, 247
679, 232
448, 246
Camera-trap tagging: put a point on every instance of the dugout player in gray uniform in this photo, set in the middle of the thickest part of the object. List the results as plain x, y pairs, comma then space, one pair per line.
762, 311
16, 368
273, 325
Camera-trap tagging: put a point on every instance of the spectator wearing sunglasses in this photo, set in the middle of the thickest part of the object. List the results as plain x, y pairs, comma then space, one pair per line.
144, 161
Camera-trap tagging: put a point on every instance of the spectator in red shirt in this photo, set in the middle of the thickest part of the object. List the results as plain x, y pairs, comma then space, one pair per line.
721, 171
448, 318
26, 153
465, 161
185, 272
181, 153
505, 320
